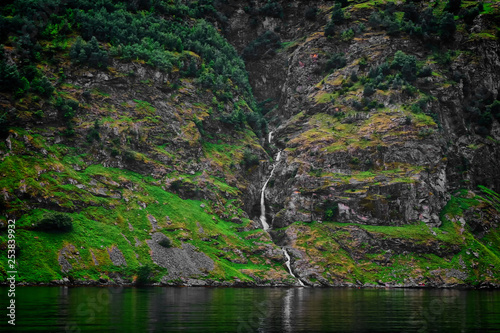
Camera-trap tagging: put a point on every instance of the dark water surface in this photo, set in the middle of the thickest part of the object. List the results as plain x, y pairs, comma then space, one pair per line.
63, 309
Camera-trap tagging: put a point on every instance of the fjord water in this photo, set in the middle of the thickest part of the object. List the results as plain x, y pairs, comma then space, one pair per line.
85, 309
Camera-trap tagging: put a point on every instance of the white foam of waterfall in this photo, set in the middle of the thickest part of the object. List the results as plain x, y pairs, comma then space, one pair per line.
263, 219
287, 256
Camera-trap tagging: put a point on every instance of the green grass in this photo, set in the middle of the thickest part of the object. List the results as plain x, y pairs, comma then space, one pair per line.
99, 227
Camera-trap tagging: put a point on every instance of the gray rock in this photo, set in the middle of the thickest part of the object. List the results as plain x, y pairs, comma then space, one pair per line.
116, 256
183, 262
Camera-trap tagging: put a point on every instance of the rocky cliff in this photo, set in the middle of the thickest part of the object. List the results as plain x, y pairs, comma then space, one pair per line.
388, 128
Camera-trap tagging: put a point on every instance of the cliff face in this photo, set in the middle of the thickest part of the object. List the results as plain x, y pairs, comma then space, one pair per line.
388, 163
387, 171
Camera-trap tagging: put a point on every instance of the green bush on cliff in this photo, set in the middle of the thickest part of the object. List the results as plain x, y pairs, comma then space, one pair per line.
265, 44
311, 13
336, 61
272, 8
453, 6
249, 158
55, 222
338, 16
91, 53
144, 275
330, 29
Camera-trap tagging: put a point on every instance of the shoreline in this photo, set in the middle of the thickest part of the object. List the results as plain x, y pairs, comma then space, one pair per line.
227, 284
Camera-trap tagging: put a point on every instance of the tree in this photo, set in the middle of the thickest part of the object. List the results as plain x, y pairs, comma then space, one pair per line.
338, 13
330, 29
453, 6
368, 90
447, 26
337, 60
74, 53
407, 64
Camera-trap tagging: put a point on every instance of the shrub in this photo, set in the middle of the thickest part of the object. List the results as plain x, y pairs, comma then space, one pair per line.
447, 26
90, 53
68, 107
494, 109
347, 35
9, 75
165, 242
342, 3
42, 86
470, 14
338, 13
144, 275
368, 90
55, 222
329, 29
406, 63
411, 12
249, 158
330, 209
453, 6
272, 9
94, 133
265, 44
425, 71
336, 61
311, 13
354, 77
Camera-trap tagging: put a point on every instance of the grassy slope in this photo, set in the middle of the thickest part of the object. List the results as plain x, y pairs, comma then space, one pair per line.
343, 255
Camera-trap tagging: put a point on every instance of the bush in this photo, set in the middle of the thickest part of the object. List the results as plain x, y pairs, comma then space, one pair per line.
338, 13
336, 61
165, 243
42, 86
249, 158
470, 14
94, 133
447, 26
311, 13
144, 275
407, 64
453, 6
342, 3
354, 77
330, 209
329, 29
265, 44
90, 53
425, 72
9, 76
368, 90
55, 222
347, 35
272, 9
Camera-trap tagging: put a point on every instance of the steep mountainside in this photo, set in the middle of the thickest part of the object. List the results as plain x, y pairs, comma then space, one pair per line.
135, 146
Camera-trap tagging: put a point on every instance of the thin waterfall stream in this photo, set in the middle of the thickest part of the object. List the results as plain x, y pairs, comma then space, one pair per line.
263, 218
287, 256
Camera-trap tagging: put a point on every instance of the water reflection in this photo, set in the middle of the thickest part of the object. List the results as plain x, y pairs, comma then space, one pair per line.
62, 309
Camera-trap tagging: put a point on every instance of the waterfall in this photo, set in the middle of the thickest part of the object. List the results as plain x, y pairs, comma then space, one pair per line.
263, 219
290, 267
270, 137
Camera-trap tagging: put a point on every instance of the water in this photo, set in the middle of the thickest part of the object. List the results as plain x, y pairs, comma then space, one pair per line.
263, 219
285, 252
62, 309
